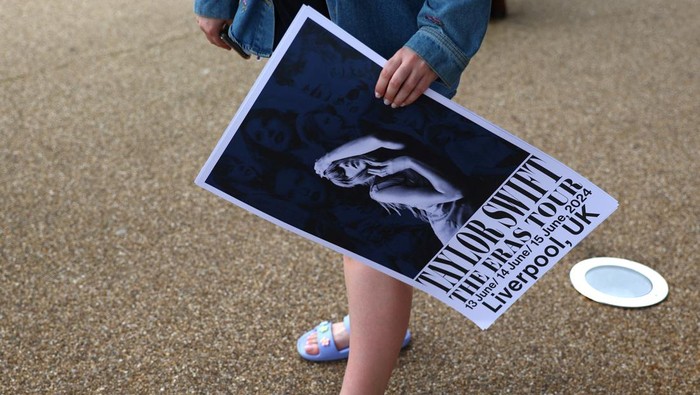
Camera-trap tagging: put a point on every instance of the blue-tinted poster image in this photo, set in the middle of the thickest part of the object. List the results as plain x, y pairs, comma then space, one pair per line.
320, 153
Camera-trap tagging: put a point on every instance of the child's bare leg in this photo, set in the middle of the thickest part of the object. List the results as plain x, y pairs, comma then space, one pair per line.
380, 308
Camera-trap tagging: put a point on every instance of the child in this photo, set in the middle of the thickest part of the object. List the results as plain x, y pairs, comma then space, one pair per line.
428, 44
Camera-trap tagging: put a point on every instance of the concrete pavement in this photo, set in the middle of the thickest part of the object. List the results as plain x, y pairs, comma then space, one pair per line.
118, 275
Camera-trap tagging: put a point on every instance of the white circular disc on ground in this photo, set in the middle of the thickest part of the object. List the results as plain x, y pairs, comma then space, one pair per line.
618, 282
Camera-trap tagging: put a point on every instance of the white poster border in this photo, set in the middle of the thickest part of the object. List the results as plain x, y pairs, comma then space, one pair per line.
602, 202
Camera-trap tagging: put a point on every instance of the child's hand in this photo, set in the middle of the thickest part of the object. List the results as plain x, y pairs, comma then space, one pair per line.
404, 78
212, 28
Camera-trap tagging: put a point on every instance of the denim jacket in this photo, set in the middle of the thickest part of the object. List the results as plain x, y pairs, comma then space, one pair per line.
445, 33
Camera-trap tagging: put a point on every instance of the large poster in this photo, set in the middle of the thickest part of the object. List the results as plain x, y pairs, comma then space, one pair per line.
430, 194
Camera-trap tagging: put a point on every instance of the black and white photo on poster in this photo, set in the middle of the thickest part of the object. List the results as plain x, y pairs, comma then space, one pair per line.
428, 194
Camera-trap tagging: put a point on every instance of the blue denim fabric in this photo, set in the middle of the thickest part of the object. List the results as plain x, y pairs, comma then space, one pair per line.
214, 8
445, 33
252, 27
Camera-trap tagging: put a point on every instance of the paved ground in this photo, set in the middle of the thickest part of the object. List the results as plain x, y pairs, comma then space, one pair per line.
118, 275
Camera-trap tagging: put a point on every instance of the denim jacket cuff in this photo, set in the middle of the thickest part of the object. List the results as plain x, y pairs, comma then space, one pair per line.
215, 8
441, 54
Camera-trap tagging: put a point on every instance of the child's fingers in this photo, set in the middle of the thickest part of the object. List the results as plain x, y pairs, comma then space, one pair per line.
400, 81
420, 88
404, 78
216, 40
380, 89
211, 27
409, 86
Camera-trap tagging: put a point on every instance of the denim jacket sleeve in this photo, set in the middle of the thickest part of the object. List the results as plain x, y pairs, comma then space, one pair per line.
253, 22
449, 34
221, 9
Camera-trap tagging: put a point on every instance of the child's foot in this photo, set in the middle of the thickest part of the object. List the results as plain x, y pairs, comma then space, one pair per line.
330, 342
340, 337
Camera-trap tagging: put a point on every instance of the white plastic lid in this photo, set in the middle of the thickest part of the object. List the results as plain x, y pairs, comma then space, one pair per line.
618, 282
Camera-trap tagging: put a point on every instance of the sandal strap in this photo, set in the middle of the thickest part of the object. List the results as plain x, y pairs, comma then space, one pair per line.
325, 337
346, 323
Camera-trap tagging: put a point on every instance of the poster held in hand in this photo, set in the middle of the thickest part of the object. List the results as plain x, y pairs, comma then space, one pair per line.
430, 194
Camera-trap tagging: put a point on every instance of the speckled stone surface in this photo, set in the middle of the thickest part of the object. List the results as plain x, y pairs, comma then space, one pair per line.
118, 275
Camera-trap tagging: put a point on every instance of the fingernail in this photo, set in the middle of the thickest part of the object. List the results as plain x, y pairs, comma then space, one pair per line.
393, 105
387, 102
377, 95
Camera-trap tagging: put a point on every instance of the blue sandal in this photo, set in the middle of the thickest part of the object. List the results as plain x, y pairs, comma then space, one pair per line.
327, 351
